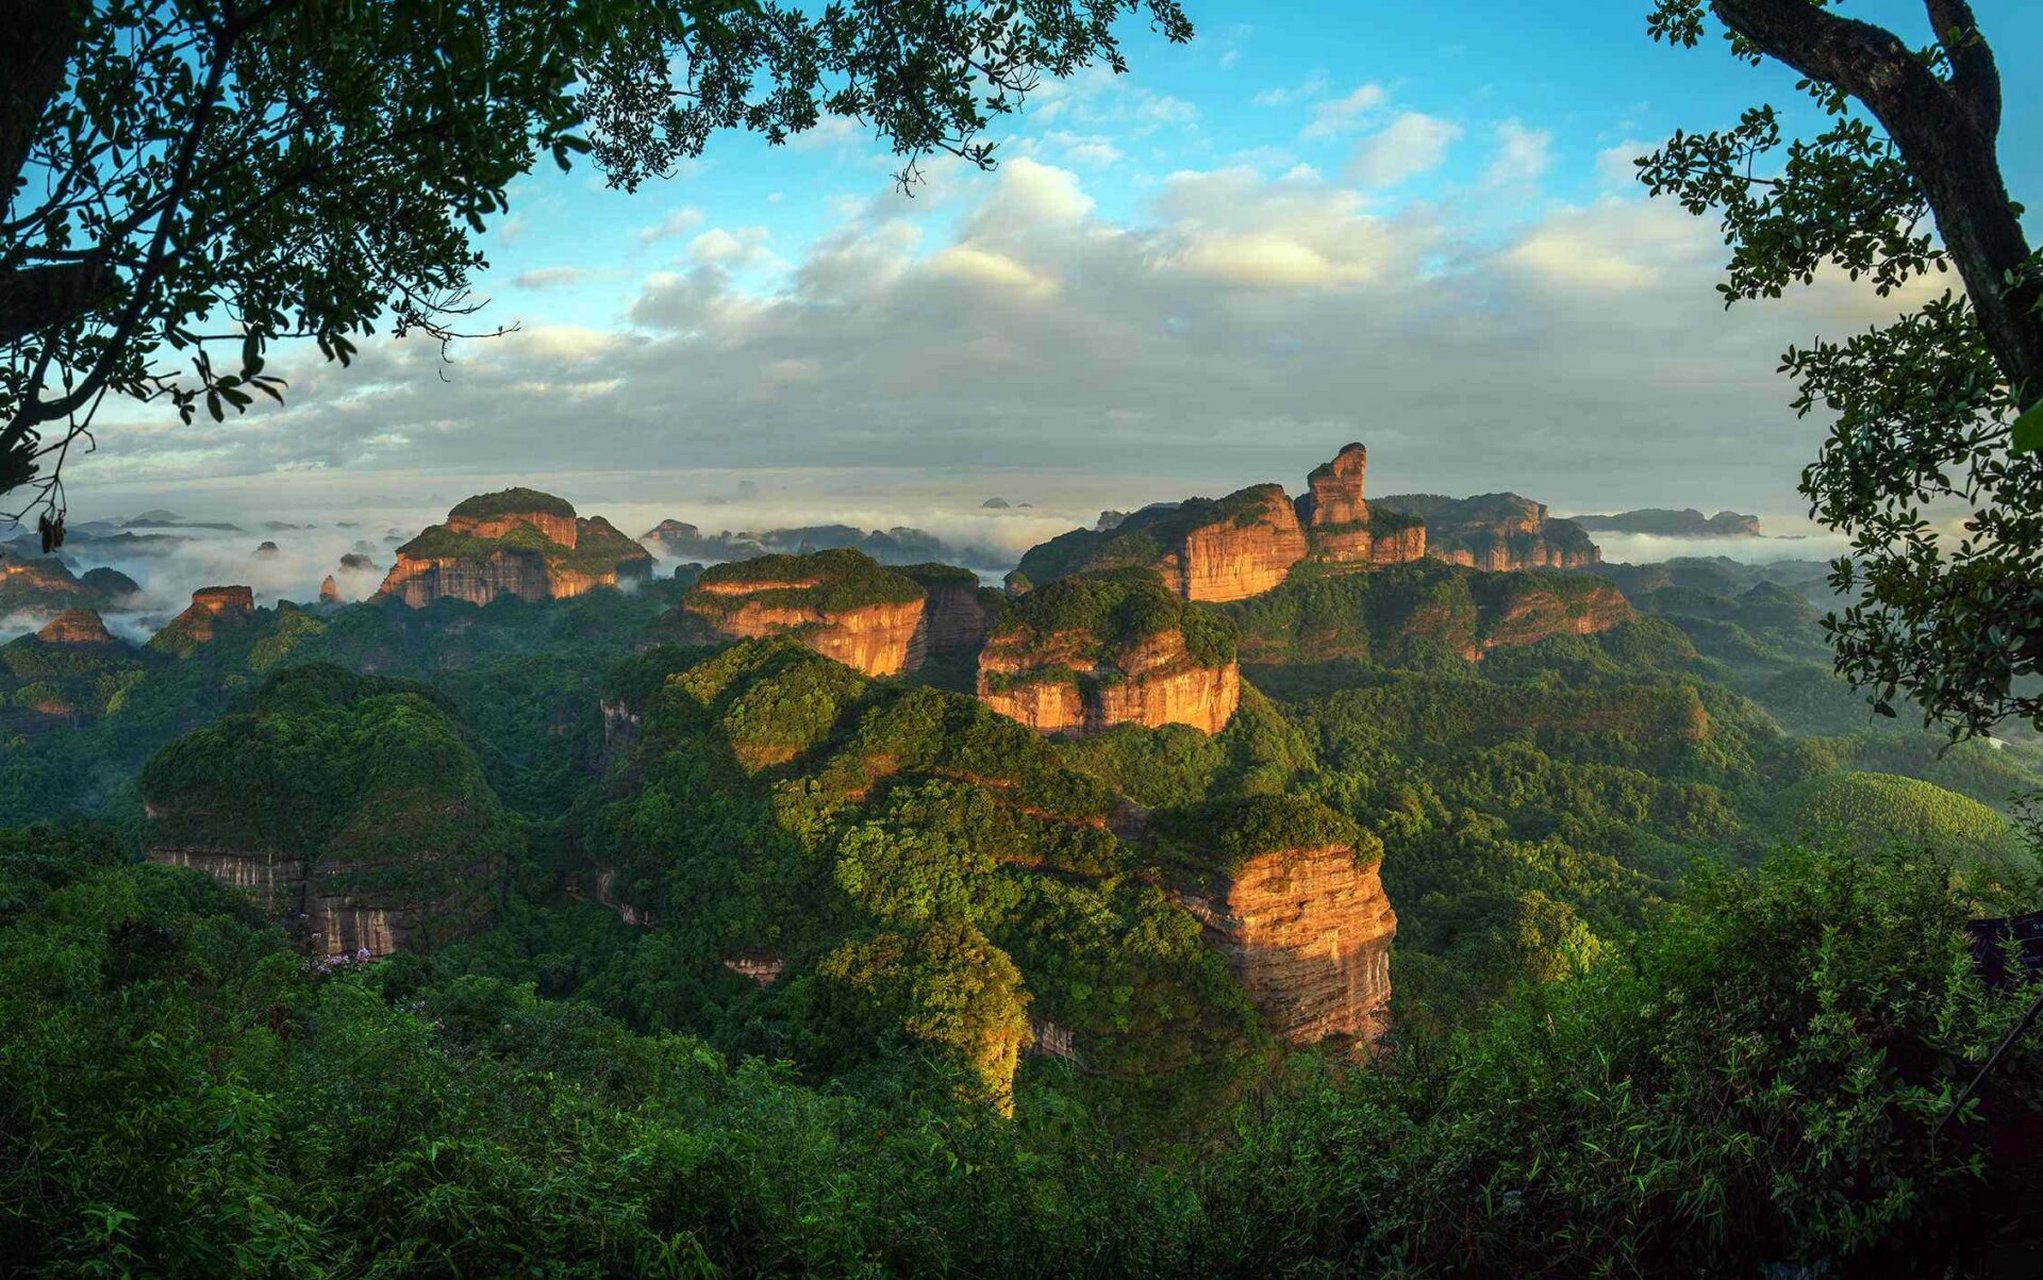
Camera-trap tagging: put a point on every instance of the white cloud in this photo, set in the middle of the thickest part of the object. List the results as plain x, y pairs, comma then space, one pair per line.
1614, 167
1235, 328
678, 222
1408, 146
1341, 115
1521, 157
1313, 86
732, 250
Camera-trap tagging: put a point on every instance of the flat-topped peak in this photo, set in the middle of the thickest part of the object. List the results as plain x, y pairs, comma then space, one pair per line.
76, 627
515, 501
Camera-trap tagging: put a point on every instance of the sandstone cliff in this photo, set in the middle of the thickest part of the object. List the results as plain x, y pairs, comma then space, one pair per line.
518, 543
1496, 532
840, 604
77, 629
1239, 546
1308, 933
1099, 649
1290, 893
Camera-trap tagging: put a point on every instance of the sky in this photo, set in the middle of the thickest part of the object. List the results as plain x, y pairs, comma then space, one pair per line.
1412, 225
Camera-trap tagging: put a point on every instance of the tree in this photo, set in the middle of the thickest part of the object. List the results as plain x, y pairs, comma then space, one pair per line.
1928, 408
190, 181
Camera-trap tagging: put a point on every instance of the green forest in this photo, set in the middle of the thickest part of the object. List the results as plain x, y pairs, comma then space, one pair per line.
726, 959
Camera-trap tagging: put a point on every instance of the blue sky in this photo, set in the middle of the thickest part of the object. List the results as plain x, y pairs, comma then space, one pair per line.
1409, 224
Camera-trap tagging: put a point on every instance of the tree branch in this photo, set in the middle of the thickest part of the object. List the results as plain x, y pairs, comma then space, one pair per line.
1975, 78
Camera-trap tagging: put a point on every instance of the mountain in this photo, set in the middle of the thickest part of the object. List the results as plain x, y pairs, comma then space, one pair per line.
46, 585
842, 604
1247, 543
350, 806
1661, 522
679, 540
1495, 531
1104, 648
516, 542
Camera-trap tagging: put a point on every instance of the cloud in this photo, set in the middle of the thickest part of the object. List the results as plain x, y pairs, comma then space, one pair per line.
678, 222
1235, 326
1344, 114
732, 250
1521, 157
1408, 146
1614, 167
1313, 86
547, 277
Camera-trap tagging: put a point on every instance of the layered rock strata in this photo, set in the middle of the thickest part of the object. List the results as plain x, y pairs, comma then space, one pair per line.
518, 543
840, 604
1308, 933
1089, 652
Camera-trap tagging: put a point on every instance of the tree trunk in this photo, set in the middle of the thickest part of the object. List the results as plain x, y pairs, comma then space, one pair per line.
1947, 133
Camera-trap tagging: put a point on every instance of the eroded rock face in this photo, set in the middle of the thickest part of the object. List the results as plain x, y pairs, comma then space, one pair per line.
1308, 933
1527, 616
1497, 532
329, 591
1239, 546
77, 628
1057, 674
324, 903
212, 611
1396, 544
517, 543
840, 604
1336, 492
1239, 555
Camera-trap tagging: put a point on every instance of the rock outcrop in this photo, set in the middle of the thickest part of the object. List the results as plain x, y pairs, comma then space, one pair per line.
841, 604
77, 629
957, 612
517, 542
1496, 532
213, 610
1239, 546
1099, 649
1308, 933
329, 591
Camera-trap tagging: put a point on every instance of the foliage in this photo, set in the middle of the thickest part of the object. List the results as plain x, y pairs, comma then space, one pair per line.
832, 581
1945, 521
1754, 1084
1099, 616
512, 502
1862, 809
1142, 539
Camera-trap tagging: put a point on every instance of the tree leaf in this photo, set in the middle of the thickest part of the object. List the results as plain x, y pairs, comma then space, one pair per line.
2028, 437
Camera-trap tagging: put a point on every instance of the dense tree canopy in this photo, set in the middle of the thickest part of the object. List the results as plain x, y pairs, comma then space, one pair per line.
188, 182
1927, 407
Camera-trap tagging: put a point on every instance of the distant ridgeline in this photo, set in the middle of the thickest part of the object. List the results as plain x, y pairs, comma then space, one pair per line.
1686, 523
1127, 831
1248, 542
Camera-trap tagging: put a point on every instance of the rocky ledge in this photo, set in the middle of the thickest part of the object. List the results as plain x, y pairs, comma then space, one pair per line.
1290, 893
517, 542
1496, 532
1099, 649
1239, 546
212, 611
841, 604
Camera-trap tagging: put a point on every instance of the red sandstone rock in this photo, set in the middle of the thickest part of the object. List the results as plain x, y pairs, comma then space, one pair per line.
1308, 933
1238, 556
76, 627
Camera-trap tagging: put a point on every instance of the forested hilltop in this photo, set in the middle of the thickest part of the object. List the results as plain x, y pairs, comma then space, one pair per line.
810, 915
